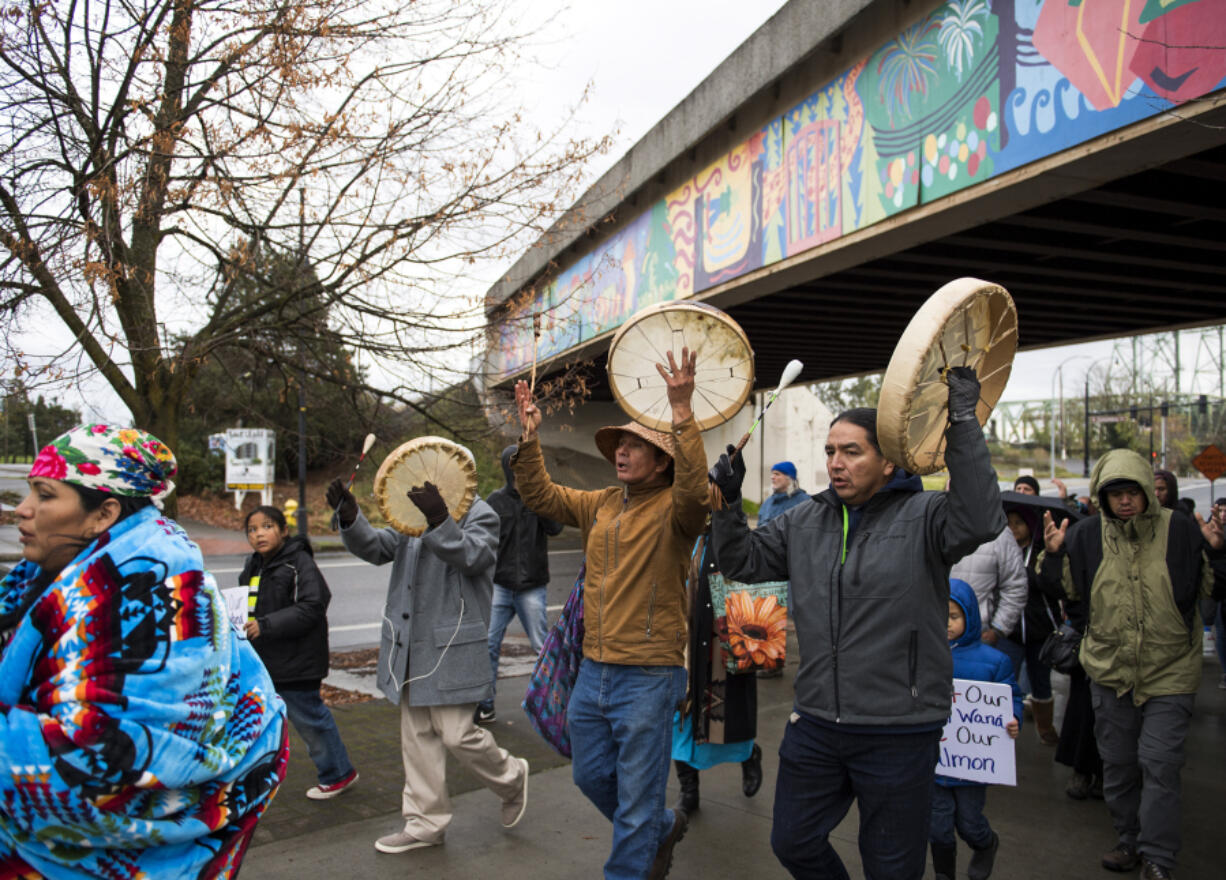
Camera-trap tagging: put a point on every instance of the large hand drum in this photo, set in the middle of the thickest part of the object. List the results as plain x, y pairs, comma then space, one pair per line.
447, 465
724, 370
967, 323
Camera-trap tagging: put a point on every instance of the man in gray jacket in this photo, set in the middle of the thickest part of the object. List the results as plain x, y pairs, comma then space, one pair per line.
433, 659
868, 565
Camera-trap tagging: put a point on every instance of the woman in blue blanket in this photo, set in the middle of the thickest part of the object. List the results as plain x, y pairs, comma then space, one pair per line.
139, 735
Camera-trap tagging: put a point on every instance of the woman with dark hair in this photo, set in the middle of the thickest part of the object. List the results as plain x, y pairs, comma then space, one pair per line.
142, 736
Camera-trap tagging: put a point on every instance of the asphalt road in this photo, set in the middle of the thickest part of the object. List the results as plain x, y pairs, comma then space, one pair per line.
358, 590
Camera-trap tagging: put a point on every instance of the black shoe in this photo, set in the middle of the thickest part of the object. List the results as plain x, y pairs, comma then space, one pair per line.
1123, 858
484, 715
1078, 787
664, 853
944, 860
982, 860
1150, 871
688, 777
1096, 788
751, 772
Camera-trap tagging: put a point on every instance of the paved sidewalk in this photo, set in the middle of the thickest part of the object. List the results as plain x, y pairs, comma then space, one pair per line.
1043, 833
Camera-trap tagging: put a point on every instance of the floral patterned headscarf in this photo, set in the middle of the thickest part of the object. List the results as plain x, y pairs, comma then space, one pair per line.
123, 461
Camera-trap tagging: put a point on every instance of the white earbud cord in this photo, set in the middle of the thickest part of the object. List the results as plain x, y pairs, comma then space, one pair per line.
391, 673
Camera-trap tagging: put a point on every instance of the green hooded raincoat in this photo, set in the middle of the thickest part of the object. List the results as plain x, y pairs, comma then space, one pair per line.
1139, 638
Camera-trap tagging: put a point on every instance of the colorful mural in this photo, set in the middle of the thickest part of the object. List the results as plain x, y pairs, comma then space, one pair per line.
977, 88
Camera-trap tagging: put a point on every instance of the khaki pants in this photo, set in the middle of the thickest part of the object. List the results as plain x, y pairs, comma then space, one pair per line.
424, 732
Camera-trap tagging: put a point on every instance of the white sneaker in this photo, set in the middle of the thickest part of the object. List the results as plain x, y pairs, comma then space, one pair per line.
513, 808
326, 792
1221, 685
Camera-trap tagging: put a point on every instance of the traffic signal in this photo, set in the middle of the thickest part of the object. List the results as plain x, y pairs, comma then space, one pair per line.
1165, 409
1202, 404
1132, 412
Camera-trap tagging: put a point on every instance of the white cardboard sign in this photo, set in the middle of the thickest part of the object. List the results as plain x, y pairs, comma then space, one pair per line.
236, 607
975, 745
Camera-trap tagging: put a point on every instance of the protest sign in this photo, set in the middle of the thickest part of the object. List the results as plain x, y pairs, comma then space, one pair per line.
975, 745
236, 606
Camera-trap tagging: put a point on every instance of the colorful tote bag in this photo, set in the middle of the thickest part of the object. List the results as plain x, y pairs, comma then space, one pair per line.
751, 622
556, 670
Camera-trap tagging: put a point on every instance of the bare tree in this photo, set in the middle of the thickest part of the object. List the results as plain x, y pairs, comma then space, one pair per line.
160, 154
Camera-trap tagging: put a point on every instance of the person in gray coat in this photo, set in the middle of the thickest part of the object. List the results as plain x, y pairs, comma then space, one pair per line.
433, 659
867, 563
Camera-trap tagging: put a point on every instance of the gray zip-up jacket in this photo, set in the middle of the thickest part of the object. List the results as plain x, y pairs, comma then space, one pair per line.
437, 617
872, 629
997, 575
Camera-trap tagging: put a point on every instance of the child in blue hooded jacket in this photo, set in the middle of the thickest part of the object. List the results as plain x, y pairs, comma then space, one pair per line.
957, 803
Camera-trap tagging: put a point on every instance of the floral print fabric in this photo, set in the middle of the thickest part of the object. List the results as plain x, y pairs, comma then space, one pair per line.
751, 621
123, 461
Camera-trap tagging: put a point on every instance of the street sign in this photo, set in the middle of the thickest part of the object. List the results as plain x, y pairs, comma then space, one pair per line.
1211, 462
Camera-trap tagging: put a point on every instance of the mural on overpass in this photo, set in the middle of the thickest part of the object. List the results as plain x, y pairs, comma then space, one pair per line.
977, 88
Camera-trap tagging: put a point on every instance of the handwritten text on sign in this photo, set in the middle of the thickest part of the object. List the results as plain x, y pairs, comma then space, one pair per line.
975, 745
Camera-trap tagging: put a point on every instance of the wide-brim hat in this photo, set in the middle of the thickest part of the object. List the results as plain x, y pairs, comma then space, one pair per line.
607, 439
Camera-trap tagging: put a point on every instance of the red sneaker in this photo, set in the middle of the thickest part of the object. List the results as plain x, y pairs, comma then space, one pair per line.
323, 792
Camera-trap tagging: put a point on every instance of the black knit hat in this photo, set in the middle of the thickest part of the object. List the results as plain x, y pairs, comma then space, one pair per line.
1027, 480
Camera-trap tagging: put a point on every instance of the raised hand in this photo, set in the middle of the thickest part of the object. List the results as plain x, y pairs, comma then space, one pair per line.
342, 501
728, 473
1053, 535
679, 382
963, 394
1060, 487
529, 413
430, 502
1212, 530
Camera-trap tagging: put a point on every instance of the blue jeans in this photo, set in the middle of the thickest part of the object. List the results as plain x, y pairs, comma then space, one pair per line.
620, 732
822, 769
315, 724
530, 606
960, 807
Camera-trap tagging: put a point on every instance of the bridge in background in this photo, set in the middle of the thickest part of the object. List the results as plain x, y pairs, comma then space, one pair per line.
854, 155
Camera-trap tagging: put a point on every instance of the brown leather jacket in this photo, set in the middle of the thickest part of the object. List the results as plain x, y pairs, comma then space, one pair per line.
638, 542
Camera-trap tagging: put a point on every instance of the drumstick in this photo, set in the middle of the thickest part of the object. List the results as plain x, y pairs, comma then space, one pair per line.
790, 372
369, 442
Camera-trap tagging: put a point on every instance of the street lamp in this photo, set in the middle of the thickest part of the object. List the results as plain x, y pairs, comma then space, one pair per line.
1059, 371
1086, 437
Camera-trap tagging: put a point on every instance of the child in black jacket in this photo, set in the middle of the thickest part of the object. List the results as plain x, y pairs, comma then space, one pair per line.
287, 607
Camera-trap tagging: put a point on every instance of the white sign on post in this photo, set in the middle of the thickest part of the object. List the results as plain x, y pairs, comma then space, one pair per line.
250, 457
975, 745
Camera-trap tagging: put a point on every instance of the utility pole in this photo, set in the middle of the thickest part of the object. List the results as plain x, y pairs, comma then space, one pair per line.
1085, 462
33, 429
302, 505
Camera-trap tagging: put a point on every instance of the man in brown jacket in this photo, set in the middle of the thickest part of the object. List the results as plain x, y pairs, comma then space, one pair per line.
638, 538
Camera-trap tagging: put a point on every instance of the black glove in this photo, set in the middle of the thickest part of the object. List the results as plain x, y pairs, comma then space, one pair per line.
963, 394
430, 503
342, 501
729, 474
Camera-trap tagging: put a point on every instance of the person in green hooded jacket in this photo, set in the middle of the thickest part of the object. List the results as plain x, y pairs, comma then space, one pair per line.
1143, 568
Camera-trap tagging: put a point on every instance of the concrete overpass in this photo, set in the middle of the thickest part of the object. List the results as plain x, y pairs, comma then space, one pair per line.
852, 156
